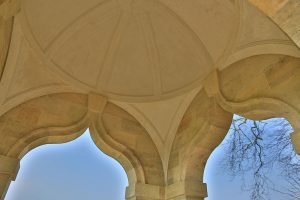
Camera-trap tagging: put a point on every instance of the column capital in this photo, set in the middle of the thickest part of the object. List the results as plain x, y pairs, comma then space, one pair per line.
141, 191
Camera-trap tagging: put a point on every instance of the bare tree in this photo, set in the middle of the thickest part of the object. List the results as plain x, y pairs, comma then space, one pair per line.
254, 149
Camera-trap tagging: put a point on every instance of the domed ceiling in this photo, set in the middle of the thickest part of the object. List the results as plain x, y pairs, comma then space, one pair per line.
149, 57
130, 49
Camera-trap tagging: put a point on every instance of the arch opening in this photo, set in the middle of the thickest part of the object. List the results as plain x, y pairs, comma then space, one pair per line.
257, 159
73, 170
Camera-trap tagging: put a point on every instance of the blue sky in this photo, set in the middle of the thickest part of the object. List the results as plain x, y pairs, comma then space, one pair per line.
79, 170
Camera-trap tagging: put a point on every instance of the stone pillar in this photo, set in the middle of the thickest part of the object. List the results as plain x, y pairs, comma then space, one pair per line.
141, 191
8, 171
187, 190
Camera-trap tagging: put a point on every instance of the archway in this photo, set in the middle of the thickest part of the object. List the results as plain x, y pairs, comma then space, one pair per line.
257, 159
74, 170
110, 128
256, 92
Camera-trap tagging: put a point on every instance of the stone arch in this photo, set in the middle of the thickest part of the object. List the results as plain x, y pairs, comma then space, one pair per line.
63, 117
270, 85
260, 87
257, 87
124, 134
201, 130
35, 122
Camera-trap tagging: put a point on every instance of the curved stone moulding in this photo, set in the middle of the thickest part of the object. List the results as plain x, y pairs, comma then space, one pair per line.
91, 111
256, 108
263, 107
213, 136
202, 129
262, 48
118, 151
92, 118
138, 161
49, 135
106, 143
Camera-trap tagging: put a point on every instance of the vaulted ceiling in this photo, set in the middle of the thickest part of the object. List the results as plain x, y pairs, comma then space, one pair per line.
149, 57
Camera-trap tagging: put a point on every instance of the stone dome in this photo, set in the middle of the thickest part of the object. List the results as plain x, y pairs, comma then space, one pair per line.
130, 49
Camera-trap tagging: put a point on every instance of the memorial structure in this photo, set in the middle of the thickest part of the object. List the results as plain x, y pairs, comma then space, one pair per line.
156, 81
